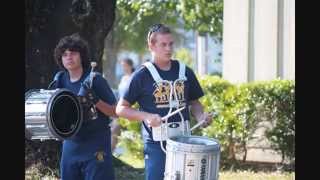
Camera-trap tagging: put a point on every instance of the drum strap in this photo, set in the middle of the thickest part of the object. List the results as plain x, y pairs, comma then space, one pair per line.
164, 131
55, 83
155, 75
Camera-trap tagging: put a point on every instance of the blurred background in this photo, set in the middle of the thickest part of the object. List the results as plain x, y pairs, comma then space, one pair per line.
243, 52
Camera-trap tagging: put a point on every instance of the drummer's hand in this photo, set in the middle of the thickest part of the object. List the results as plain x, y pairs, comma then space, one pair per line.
87, 94
207, 117
153, 120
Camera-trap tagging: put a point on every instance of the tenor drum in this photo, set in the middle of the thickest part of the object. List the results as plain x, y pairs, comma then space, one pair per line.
192, 158
52, 114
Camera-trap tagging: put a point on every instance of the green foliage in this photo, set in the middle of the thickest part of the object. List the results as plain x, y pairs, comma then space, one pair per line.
133, 18
132, 142
130, 137
205, 16
184, 56
241, 109
221, 96
281, 110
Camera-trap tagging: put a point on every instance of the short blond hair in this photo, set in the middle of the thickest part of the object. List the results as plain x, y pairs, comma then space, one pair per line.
157, 29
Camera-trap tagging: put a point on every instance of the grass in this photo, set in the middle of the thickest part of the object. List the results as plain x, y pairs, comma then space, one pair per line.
131, 160
249, 175
137, 174
129, 168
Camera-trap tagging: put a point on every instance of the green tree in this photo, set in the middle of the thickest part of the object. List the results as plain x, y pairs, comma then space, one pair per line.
133, 18
185, 56
204, 16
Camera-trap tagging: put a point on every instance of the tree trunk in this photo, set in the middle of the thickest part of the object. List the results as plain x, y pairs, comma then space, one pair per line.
110, 60
231, 148
231, 151
49, 20
245, 152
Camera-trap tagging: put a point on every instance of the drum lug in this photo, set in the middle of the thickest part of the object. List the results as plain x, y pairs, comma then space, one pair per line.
177, 175
171, 176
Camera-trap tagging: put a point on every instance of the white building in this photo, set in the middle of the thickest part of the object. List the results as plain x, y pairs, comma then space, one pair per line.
208, 55
258, 40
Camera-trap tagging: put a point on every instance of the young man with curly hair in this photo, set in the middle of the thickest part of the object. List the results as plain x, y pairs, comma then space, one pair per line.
87, 155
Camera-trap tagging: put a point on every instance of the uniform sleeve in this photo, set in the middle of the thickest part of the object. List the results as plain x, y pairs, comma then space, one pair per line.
57, 80
133, 88
195, 90
103, 90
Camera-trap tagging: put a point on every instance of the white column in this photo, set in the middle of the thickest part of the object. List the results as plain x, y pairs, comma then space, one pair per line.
265, 39
258, 40
289, 40
235, 40
201, 55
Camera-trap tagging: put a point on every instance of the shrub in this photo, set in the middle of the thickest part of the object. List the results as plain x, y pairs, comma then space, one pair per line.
240, 108
130, 137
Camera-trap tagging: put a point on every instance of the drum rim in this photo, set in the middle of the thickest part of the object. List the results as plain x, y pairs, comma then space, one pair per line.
29, 93
180, 146
51, 101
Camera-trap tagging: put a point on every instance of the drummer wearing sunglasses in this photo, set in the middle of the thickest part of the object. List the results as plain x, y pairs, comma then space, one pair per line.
160, 86
88, 154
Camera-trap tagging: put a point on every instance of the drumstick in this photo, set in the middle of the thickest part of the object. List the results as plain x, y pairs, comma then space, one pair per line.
93, 65
172, 113
200, 123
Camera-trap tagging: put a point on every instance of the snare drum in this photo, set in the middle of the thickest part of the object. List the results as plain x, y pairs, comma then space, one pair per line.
192, 158
167, 130
52, 114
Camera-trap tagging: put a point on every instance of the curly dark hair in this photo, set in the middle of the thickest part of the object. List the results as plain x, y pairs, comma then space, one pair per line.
73, 43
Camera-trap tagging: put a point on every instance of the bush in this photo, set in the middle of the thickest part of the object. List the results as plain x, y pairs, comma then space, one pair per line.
281, 111
240, 109
130, 137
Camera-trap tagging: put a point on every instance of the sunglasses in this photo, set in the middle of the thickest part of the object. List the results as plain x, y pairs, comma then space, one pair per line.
153, 29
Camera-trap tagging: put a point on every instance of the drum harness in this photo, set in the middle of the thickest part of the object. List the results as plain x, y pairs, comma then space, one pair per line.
93, 109
173, 103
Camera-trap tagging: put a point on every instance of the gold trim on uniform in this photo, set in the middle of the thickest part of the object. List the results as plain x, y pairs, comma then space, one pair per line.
162, 94
100, 156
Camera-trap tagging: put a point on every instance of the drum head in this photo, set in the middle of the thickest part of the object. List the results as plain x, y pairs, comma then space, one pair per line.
193, 144
64, 114
195, 140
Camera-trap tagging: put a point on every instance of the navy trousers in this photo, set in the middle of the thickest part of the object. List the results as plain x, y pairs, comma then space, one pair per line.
155, 160
87, 159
